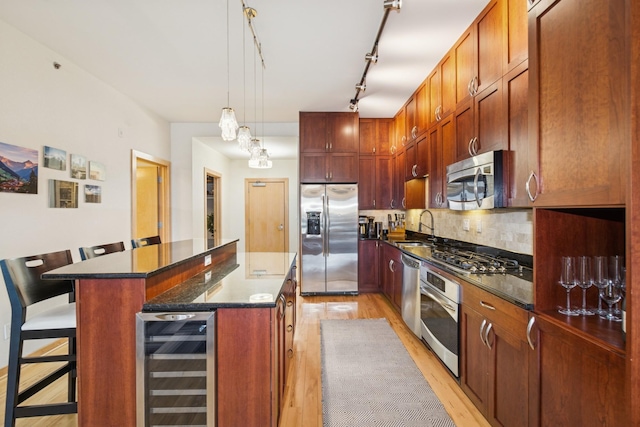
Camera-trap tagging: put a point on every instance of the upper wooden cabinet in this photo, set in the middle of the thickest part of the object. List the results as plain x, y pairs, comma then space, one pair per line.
376, 136
442, 89
375, 184
329, 145
417, 158
579, 131
329, 132
489, 29
464, 54
516, 46
399, 125
441, 154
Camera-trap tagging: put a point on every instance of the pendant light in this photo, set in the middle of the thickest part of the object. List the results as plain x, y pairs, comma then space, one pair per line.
244, 133
259, 155
228, 123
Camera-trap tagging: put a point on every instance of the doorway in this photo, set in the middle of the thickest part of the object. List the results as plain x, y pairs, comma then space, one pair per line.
212, 207
150, 205
267, 215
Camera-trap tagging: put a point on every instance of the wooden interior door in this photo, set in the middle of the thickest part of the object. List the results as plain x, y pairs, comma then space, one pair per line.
266, 215
150, 204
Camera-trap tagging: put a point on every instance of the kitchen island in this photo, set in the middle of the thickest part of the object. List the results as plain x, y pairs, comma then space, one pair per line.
252, 330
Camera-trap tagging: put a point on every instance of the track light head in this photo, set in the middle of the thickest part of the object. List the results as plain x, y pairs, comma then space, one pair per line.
372, 57
393, 4
361, 87
353, 106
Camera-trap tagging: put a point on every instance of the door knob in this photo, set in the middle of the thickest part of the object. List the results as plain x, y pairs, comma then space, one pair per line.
281, 227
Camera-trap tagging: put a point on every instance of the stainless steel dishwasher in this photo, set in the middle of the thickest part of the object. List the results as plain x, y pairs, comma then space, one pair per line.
410, 303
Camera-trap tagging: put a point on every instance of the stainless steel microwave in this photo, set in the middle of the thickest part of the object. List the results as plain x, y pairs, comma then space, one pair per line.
478, 182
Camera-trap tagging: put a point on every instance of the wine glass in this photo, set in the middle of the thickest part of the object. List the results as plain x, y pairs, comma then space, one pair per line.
568, 281
585, 280
616, 273
611, 293
600, 279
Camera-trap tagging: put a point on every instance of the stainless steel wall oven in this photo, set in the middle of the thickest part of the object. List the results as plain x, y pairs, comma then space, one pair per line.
439, 315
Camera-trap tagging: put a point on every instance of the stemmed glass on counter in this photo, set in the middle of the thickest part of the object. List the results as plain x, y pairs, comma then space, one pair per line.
568, 281
611, 293
585, 280
600, 279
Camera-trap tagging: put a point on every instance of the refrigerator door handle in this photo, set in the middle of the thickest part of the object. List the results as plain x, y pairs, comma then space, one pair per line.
328, 227
324, 225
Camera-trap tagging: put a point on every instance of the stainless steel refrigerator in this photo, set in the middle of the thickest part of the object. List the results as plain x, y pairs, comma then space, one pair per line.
329, 238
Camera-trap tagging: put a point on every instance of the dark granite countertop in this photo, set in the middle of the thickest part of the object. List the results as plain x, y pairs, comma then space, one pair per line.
142, 262
516, 289
253, 279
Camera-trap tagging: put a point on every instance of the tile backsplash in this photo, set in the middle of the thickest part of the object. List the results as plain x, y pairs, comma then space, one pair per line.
508, 229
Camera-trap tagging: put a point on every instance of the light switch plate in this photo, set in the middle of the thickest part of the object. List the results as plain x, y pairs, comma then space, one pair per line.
465, 225
207, 260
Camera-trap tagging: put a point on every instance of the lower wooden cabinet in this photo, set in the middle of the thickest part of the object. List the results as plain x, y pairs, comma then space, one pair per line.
391, 273
495, 357
578, 382
368, 262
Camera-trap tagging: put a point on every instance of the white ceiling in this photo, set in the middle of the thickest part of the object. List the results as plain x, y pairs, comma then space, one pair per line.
170, 55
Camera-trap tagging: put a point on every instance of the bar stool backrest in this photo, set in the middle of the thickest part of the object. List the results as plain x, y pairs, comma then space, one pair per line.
23, 281
145, 241
99, 250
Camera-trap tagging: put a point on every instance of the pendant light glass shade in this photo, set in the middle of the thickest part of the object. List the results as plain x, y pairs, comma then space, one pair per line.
244, 138
228, 124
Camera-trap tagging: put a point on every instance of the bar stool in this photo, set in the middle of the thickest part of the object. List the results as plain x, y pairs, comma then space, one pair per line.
25, 287
99, 250
145, 241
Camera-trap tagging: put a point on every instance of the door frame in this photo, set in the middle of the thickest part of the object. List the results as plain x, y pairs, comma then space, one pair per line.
164, 192
216, 206
247, 183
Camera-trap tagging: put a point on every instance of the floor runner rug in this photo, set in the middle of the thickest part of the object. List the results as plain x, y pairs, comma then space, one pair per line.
369, 379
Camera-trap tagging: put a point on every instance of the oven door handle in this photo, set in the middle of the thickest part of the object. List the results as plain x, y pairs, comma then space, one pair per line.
440, 300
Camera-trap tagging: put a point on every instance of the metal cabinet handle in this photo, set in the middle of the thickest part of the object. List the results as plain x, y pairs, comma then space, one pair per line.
374, 150
404, 202
330, 146
482, 325
474, 146
290, 353
393, 149
469, 147
470, 87
414, 132
528, 188
392, 204
289, 328
404, 140
326, 146
485, 305
486, 335
529, 327
391, 266
413, 170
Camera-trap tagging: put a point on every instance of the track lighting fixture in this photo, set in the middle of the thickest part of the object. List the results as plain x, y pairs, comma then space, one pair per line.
393, 4
371, 57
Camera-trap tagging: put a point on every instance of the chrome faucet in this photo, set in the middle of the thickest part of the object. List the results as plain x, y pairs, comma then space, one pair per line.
420, 224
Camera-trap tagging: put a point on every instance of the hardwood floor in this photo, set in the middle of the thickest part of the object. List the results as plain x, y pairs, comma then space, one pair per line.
303, 394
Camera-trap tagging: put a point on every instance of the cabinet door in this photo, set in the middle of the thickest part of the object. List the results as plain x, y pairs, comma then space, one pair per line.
466, 69
343, 135
313, 132
399, 126
368, 257
489, 44
410, 161
465, 132
422, 156
474, 357
396, 270
411, 119
313, 167
441, 154
415, 197
516, 48
422, 108
581, 130
386, 271
489, 120
435, 95
367, 136
508, 372
367, 183
580, 383
398, 201
384, 136
383, 182
515, 93
343, 168
448, 85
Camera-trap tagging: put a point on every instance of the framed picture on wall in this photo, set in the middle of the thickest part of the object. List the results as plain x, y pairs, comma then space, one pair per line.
92, 194
18, 169
96, 171
63, 194
78, 167
54, 158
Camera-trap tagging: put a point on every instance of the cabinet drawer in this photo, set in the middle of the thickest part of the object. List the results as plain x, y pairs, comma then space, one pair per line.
493, 307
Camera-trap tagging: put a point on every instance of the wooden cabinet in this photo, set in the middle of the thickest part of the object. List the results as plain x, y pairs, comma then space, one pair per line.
465, 130
515, 94
368, 262
329, 144
415, 193
399, 125
489, 36
495, 357
422, 109
580, 131
516, 43
465, 59
375, 187
442, 89
417, 158
441, 154
376, 136
391, 274
398, 201
578, 382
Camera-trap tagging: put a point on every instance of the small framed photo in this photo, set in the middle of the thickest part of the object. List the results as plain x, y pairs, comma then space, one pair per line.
78, 167
54, 158
96, 171
63, 194
92, 194
18, 169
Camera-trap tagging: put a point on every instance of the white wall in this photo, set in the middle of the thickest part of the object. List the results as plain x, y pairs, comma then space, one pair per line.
71, 110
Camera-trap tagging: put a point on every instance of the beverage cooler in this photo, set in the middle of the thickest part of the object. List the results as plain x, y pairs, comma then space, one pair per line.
175, 356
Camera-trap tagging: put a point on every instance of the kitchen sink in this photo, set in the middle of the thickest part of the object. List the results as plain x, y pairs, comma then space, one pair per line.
412, 244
